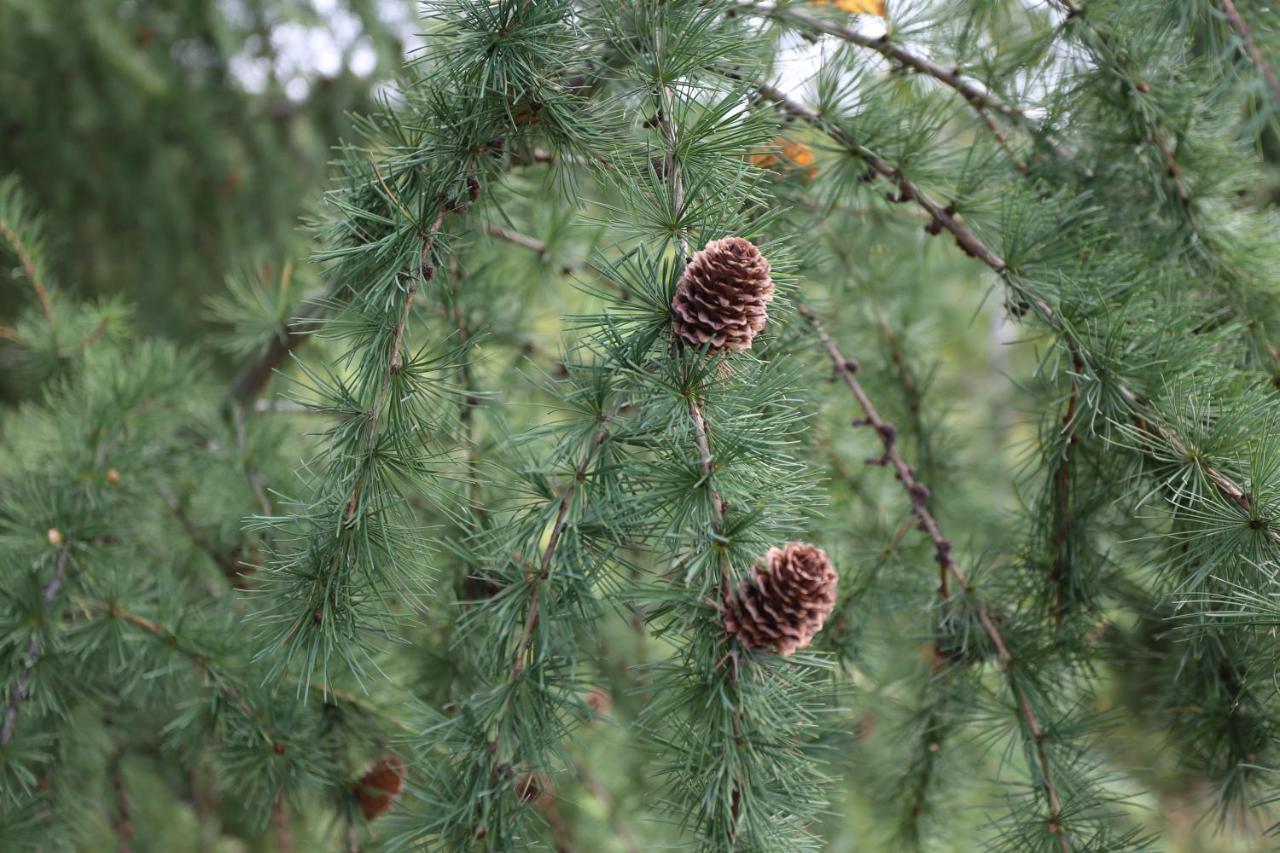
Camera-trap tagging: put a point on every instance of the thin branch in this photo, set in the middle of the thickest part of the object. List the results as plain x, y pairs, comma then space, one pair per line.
553, 542
394, 363
281, 826
673, 169
200, 661
1267, 70
255, 375
122, 812
354, 700
533, 244
470, 399
1151, 130
541, 249
674, 173
27, 259
944, 216
917, 491
19, 692
983, 101
918, 495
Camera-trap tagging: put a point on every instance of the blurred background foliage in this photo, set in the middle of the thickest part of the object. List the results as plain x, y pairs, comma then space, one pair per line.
172, 142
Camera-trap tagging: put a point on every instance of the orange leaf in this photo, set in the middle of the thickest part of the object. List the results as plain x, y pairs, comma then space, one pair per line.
858, 7
798, 153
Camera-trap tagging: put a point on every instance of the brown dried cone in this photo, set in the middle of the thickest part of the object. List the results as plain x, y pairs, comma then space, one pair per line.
784, 604
535, 789
722, 295
380, 786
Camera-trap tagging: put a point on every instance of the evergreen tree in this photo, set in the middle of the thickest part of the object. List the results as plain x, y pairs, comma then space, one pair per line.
723, 424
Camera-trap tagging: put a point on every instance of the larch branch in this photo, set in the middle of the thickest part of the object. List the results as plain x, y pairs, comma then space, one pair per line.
972, 245
918, 496
27, 259
553, 542
983, 101
19, 691
1266, 69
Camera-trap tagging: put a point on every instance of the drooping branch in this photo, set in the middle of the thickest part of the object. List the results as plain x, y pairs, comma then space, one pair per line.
394, 362
944, 218
1266, 69
257, 372
122, 809
917, 491
918, 495
296, 331
1060, 485
26, 257
983, 101
553, 541
425, 272
541, 249
220, 680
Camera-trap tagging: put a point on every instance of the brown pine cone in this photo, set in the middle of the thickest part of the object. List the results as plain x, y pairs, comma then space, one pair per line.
786, 601
535, 789
380, 786
722, 295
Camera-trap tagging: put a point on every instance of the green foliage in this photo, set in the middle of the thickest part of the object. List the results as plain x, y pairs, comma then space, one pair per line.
487, 519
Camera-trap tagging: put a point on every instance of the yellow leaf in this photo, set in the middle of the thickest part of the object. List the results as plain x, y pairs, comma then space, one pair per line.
797, 152
858, 7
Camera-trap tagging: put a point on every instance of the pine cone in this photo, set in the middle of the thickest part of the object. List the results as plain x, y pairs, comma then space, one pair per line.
535, 789
380, 786
785, 603
722, 295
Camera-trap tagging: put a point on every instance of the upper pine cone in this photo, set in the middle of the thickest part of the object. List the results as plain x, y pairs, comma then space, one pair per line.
722, 295
785, 603
380, 786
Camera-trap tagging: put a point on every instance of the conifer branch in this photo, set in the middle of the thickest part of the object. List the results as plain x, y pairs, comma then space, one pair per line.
280, 825
394, 356
541, 249
221, 682
918, 492
972, 245
1061, 484
18, 691
673, 168
470, 399
256, 373
970, 90
1266, 69
1114, 59
10, 233
983, 102
553, 542
918, 496
942, 215
122, 811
